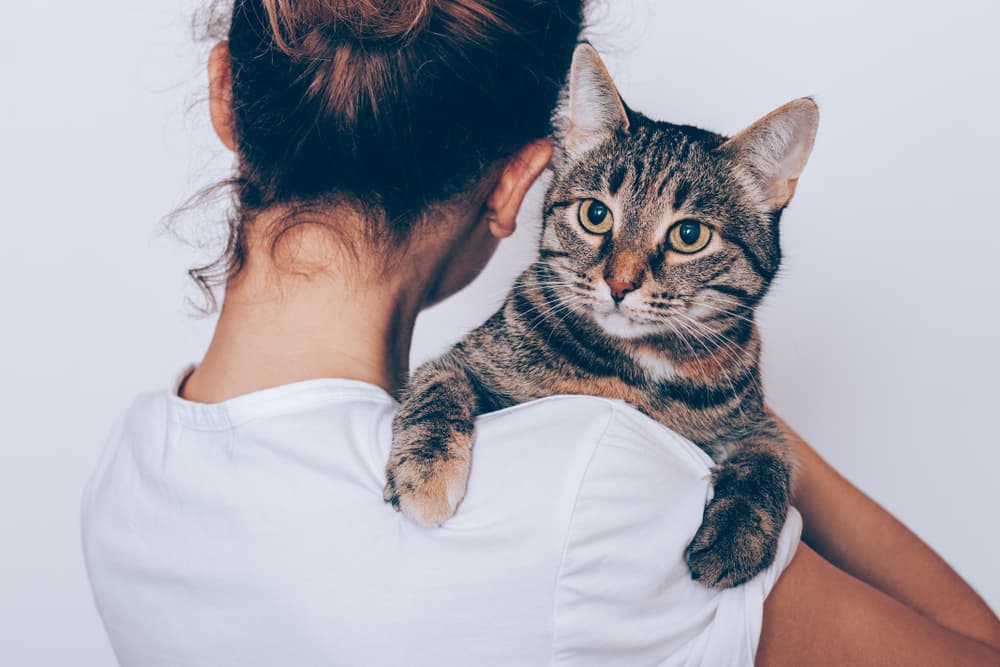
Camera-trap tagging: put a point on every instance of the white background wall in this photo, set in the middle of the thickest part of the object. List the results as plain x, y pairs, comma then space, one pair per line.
881, 338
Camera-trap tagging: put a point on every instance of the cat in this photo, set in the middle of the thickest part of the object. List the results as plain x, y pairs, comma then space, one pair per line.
658, 242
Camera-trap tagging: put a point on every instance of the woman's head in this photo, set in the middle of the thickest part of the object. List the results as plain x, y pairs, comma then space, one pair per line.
388, 106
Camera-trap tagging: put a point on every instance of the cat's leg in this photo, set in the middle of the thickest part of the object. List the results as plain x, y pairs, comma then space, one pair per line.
432, 436
738, 536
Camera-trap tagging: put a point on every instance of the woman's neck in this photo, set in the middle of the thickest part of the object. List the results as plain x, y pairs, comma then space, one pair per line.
278, 327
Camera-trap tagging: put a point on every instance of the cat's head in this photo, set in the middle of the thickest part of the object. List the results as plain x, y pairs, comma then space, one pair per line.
656, 229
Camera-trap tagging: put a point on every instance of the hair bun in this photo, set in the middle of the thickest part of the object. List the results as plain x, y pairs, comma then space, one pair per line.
361, 20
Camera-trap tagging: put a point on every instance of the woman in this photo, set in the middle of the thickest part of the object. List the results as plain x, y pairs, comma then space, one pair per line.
384, 148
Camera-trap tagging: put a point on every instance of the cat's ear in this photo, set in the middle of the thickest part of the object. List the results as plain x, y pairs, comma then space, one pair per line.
776, 148
596, 111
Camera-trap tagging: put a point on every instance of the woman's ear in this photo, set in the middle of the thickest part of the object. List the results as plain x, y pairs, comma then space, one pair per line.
220, 93
518, 175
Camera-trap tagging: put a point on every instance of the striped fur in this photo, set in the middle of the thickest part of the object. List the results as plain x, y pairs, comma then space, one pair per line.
682, 346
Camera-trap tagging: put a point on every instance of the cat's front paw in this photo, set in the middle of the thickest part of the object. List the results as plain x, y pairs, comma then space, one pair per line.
427, 490
736, 540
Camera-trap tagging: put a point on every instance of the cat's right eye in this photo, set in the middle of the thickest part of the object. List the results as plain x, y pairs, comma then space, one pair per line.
595, 216
689, 236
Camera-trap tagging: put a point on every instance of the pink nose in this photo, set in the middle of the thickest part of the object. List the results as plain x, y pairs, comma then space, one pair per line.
619, 288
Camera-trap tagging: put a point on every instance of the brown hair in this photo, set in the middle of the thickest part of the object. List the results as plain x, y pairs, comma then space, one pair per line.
389, 105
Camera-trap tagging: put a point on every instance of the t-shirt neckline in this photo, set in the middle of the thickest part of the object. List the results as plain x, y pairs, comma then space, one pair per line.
269, 401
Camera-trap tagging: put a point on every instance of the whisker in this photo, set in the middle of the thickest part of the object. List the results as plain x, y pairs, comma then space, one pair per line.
725, 374
701, 329
545, 309
728, 313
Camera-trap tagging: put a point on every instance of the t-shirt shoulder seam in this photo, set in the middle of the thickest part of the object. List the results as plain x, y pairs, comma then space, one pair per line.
612, 415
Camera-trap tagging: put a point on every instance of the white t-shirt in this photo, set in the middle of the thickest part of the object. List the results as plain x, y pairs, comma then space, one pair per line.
252, 533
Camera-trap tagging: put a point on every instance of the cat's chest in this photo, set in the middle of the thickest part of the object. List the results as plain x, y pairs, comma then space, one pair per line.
656, 367
660, 370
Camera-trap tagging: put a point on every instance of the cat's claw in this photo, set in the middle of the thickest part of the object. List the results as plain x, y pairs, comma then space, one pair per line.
731, 546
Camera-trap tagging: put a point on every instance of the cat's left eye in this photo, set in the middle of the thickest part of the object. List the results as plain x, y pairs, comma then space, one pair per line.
689, 236
596, 217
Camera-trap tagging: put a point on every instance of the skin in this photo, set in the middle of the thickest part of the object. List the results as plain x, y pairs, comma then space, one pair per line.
862, 590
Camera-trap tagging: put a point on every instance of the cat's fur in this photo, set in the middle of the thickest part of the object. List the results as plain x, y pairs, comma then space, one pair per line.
679, 342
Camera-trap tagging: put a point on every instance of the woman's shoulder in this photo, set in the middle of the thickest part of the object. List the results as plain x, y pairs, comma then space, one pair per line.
634, 494
556, 448
592, 440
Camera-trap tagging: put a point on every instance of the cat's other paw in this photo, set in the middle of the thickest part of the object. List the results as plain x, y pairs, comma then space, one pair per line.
428, 490
736, 540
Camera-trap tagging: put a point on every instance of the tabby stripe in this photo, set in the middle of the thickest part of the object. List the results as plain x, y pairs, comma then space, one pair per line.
703, 397
559, 337
488, 398
740, 333
682, 152
663, 184
658, 258
756, 262
643, 172
551, 208
616, 179
742, 295
654, 160
750, 403
719, 316
718, 272
681, 193
545, 253
638, 166
529, 353
542, 273
605, 251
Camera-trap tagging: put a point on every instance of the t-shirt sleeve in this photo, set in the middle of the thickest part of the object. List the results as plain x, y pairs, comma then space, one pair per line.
624, 594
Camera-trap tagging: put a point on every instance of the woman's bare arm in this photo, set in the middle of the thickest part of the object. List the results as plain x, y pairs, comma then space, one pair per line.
819, 615
855, 534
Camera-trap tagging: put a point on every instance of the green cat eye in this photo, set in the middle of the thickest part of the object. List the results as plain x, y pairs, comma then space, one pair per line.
596, 217
689, 236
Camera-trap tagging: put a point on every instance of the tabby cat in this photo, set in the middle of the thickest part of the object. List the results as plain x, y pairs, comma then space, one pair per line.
658, 243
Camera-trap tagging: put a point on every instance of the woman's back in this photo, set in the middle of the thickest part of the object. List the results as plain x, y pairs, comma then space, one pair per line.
253, 532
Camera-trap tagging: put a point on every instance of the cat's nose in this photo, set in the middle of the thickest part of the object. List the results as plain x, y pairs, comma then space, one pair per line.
619, 288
